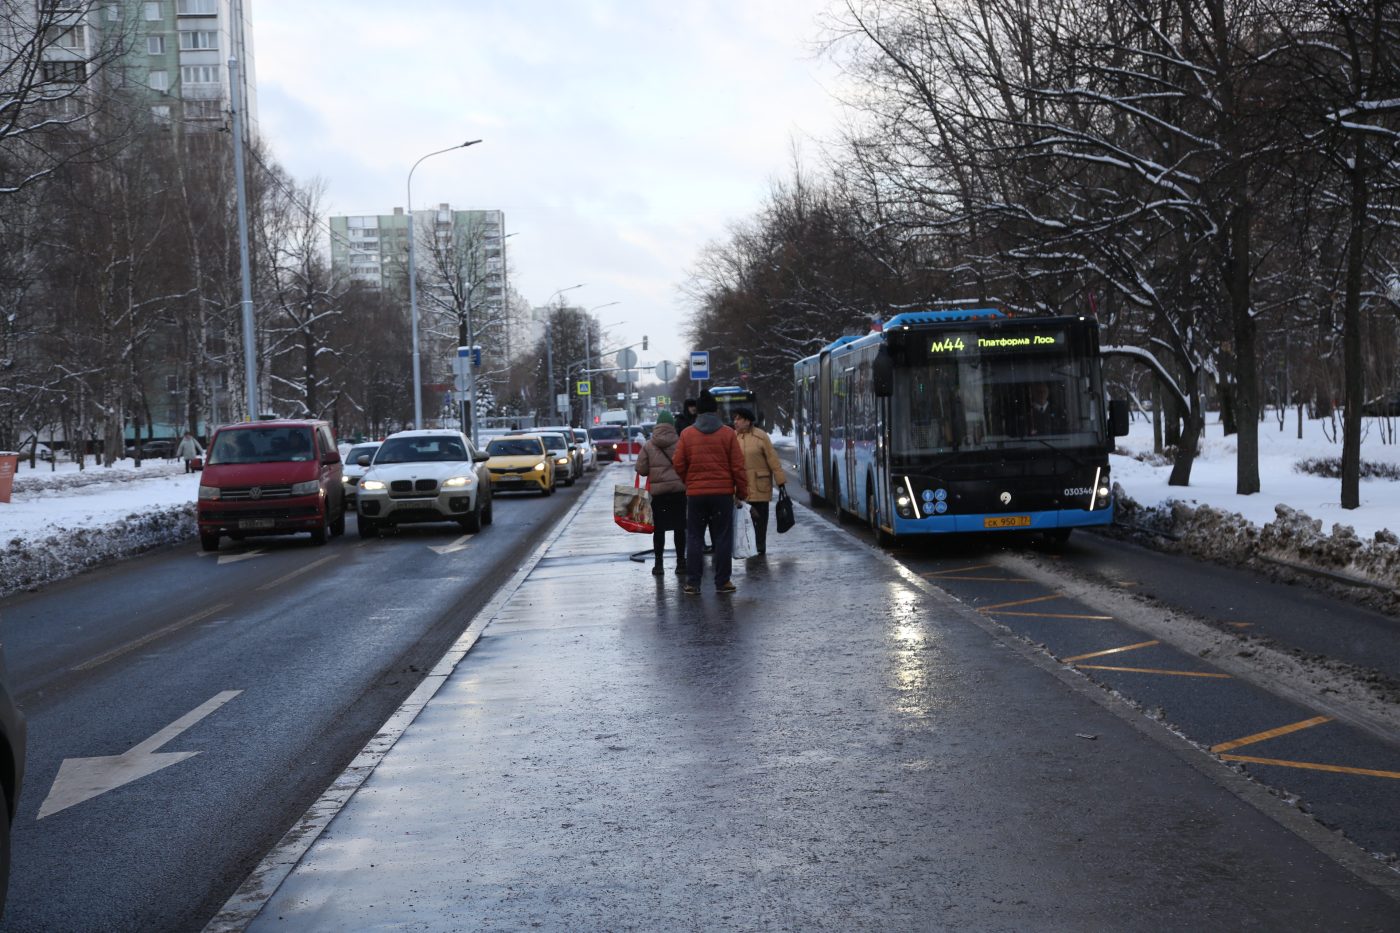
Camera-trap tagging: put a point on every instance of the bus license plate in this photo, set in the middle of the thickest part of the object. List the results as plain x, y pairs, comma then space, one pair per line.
1007, 521
256, 523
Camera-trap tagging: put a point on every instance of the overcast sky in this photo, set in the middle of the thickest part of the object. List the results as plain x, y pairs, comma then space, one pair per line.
620, 135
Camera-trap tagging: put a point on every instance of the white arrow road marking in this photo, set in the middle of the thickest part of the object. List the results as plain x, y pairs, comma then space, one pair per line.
459, 545
232, 558
149, 637
296, 573
82, 779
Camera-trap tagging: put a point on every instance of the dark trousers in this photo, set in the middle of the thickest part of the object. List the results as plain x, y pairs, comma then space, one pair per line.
189, 466
658, 544
717, 514
760, 525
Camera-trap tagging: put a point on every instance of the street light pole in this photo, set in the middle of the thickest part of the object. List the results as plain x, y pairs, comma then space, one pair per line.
586, 404
250, 360
413, 285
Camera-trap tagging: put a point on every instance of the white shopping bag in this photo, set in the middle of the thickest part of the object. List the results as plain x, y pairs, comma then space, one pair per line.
743, 533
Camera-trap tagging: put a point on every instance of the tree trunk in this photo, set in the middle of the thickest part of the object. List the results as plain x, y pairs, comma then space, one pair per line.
1189, 441
1246, 362
1352, 384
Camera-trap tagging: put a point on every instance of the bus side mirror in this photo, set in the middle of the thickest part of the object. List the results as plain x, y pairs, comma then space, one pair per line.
1118, 417
882, 373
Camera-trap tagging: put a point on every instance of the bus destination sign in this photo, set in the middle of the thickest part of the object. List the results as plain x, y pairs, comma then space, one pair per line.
965, 343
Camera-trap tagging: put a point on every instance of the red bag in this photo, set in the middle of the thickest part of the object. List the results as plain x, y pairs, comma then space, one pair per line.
632, 507
197, 463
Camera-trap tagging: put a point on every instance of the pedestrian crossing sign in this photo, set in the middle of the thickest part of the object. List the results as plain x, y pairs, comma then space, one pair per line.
585, 387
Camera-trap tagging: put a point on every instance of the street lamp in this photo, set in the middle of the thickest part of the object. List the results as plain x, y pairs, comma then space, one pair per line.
588, 355
550, 405
413, 285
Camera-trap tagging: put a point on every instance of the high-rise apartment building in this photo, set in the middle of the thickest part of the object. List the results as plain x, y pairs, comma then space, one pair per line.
373, 249
169, 55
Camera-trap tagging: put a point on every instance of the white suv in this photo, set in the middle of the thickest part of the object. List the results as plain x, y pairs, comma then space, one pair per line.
561, 451
425, 476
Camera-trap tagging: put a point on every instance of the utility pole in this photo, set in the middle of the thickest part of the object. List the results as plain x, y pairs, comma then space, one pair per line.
250, 361
549, 360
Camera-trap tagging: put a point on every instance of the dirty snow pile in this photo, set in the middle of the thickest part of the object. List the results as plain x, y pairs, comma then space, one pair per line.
1296, 518
62, 521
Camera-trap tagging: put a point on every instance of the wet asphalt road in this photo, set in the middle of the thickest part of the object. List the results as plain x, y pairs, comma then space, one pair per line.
836, 746
315, 647
1346, 773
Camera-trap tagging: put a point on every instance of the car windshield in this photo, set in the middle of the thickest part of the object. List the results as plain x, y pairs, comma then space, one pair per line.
605, 434
364, 450
555, 441
261, 445
421, 449
515, 447
581, 436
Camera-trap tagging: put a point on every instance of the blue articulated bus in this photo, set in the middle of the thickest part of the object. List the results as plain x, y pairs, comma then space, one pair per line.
960, 421
728, 398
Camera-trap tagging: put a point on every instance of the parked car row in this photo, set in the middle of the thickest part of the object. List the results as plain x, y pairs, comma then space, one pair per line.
278, 477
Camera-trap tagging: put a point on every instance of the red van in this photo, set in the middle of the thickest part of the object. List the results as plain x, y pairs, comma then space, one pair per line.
269, 478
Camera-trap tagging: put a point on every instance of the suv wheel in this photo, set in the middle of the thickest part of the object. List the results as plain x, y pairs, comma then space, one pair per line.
367, 527
489, 515
472, 523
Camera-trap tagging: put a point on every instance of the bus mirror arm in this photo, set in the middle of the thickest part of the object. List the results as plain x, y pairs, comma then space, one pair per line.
1118, 417
882, 373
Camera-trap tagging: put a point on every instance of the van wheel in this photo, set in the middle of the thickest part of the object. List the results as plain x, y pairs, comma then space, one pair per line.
210, 542
322, 533
338, 526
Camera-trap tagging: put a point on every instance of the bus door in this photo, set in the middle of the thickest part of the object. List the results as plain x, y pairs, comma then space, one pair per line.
850, 432
822, 438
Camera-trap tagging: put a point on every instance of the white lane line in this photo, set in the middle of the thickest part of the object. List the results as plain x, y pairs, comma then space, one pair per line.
298, 572
150, 637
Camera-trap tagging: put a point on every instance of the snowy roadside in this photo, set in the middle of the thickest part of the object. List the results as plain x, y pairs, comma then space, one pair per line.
63, 521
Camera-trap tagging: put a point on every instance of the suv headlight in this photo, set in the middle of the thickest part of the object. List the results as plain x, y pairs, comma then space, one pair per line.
458, 481
372, 485
208, 492
310, 487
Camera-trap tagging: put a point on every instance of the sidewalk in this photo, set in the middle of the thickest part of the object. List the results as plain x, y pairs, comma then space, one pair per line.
836, 746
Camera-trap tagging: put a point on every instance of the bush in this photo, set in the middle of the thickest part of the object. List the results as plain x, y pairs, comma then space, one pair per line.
1331, 467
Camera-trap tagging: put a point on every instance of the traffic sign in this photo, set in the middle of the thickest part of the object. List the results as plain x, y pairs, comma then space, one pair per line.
700, 364
663, 400
585, 387
666, 370
626, 358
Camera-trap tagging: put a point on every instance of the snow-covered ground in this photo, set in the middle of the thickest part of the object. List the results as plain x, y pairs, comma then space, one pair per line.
62, 520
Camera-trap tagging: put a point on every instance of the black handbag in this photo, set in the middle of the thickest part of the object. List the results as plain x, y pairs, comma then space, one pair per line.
784, 512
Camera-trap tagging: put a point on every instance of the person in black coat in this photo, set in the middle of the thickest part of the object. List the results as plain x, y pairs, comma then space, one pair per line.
687, 416
1043, 416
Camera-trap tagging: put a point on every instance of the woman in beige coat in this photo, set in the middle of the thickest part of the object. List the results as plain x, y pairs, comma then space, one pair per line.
667, 491
764, 468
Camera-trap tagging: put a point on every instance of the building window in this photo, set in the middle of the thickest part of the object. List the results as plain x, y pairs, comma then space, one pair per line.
72, 37
66, 72
194, 39
153, 13
199, 74
161, 112
197, 7
155, 45
159, 81
203, 109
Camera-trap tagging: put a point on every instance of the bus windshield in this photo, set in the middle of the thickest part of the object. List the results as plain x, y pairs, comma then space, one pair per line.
971, 402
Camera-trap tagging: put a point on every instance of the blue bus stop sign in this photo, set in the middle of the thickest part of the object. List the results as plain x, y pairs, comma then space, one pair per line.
700, 364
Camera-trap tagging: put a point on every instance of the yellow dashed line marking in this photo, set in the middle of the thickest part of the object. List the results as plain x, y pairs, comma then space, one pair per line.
1312, 766
1153, 670
1240, 624
1099, 654
1271, 734
1052, 615
986, 579
934, 573
1020, 602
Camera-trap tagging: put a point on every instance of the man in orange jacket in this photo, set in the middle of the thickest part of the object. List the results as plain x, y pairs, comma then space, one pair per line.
711, 464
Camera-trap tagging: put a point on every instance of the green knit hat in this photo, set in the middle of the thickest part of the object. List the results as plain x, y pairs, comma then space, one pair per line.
665, 417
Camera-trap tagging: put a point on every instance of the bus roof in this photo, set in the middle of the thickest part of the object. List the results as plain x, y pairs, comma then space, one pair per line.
939, 317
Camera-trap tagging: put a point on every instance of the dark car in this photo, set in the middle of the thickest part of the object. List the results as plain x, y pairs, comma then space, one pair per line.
12, 750
611, 443
1385, 406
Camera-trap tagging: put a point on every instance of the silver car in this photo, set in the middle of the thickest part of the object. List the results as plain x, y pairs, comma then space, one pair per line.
561, 451
425, 476
352, 472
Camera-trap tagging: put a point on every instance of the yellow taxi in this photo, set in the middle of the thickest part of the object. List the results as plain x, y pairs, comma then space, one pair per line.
520, 462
